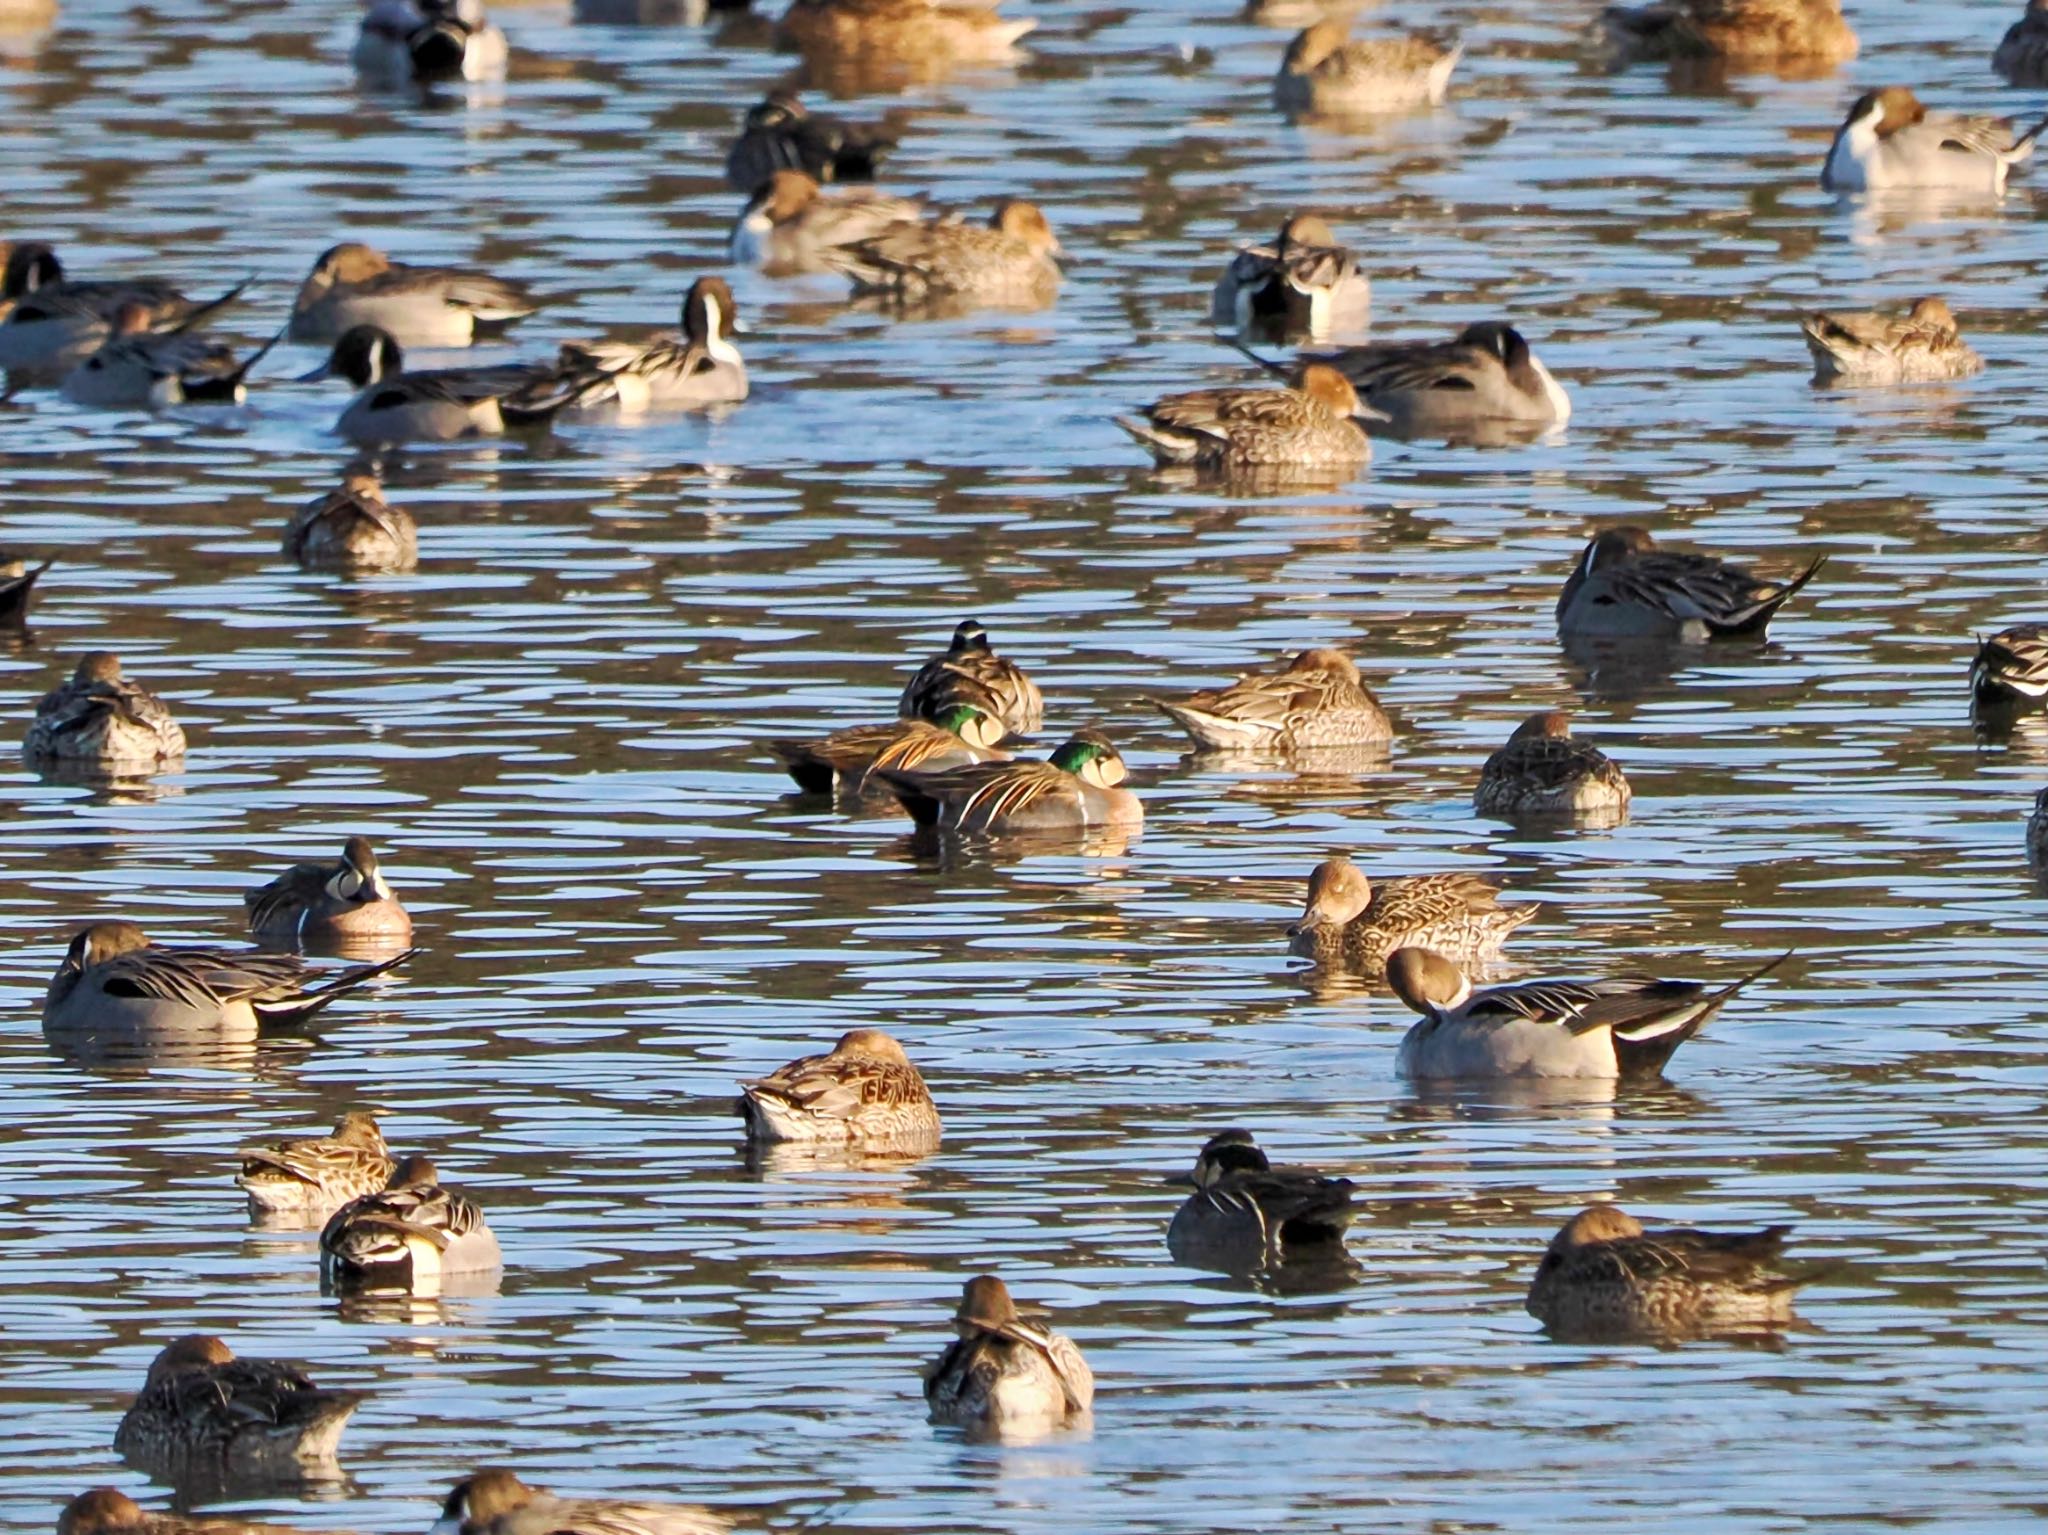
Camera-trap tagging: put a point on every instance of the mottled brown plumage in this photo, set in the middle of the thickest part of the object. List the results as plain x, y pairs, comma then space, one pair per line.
1317, 699
1923, 345
353, 528
1354, 924
971, 672
1307, 427
863, 1092
1543, 771
201, 1408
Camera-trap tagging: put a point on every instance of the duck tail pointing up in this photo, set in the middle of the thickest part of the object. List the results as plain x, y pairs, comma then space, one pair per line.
2026, 140
1721, 996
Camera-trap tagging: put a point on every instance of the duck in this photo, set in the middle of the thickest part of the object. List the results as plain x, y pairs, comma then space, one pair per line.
790, 222
698, 368
355, 284
108, 1511
353, 528
864, 1092
1247, 1213
1352, 924
346, 899
1625, 587
408, 1235
1312, 425
496, 1502
54, 322
1921, 346
1756, 32
780, 135
1303, 283
2022, 54
141, 368
2037, 832
404, 42
437, 405
1002, 1371
962, 734
1011, 261
1485, 379
200, 1405
1542, 770
1325, 74
1317, 700
954, 31
2010, 670
307, 1180
1073, 789
970, 671
1889, 140
114, 981
104, 721
1625, 1027
17, 580
1606, 1276
1293, 15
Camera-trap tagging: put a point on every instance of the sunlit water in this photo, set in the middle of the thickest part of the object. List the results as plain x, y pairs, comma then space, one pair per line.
549, 731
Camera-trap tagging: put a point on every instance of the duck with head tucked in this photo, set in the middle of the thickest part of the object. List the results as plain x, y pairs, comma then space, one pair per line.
495, 1502
1921, 346
103, 721
864, 1092
1245, 1213
305, 1181
1485, 384
1012, 261
53, 322
933, 31
1313, 425
1801, 34
108, 1511
1074, 789
427, 42
1325, 74
1353, 924
1890, 140
353, 529
2009, 673
1317, 700
1625, 587
202, 1408
970, 671
345, 899
428, 306
780, 135
140, 368
1543, 770
408, 1236
1002, 1372
1304, 283
962, 734
2021, 57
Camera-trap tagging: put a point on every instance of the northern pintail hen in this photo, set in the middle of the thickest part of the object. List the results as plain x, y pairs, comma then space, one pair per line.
698, 368
428, 41
408, 1235
1325, 74
791, 222
1074, 789
353, 528
1351, 923
1889, 140
1484, 379
864, 1092
1625, 587
496, 1502
308, 1180
1310, 426
1304, 283
1921, 346
962, 734
1543, 770
1002, 1371
345, 898
140, 368
1011, 261
17, 581
104, 721
1752, 32
1247, 1213
953, 31
114, 982
355, 284
1318, 699
971, 671
108, 1511
1607, 1277
780, 135
2010, 669
201, 1407
53, 322
1626, 1026
2022, 54
437, 405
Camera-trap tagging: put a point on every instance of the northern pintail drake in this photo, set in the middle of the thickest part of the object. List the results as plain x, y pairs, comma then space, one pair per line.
1757, 32
104, 721
1310, 426
1543, 770
114, 982
1625, 587
692, 370
106, 1511
864, 1092
308, 1180
1921, 346
1304, 283
17, 581
345, 898
355, 284
1326, 74
971, 672
1484, 378
2010, 670
1072, 790
496, 1502
2022, 54
1353, 924
353, 528
790, 222
1624, 1027
1011, 261
961, 735
139, 368
1002, 1371
203, 1407
53, 322
1605, 1277
1247, 1213
427, 41
955, 31
1890, 140
407, 1235
1318, 699
438, 405
780, 135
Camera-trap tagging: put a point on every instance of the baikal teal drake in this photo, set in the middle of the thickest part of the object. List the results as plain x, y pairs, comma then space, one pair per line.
1002, 1373
1246, 1213
1316, 700
1075, 789
961, 735
1352, 924
202, 1408
971, 672
864, 1092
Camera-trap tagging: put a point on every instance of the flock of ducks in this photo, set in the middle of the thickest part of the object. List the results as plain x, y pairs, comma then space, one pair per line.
387, 1223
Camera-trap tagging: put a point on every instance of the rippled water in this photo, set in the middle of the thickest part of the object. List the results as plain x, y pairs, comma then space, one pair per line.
549, 731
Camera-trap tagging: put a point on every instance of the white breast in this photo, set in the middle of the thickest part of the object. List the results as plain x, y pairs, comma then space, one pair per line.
1437, 1050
